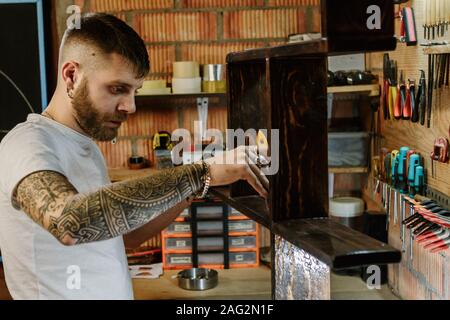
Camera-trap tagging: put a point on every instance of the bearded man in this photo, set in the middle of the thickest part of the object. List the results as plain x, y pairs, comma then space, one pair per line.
59, 212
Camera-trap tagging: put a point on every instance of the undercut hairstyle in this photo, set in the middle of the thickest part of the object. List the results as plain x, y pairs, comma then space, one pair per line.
111, 35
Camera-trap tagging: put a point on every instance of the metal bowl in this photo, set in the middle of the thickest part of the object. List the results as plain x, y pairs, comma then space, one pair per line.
198, 279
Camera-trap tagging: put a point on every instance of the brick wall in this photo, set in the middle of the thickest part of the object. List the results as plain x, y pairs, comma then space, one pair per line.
206, 30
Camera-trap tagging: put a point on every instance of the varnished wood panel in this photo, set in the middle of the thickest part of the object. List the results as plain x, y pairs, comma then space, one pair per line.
298, 90
249, 107
288, 95
334, 244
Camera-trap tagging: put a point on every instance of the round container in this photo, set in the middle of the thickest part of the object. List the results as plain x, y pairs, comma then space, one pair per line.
198, 279
214, 72
136, 163
348, 211
182, 85
214, 86
186, 69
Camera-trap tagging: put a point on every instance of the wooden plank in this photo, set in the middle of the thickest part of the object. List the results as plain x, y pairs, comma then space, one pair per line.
180, 100
315, 47
437, 49
373, 90
299, 112
335, 244
348, 170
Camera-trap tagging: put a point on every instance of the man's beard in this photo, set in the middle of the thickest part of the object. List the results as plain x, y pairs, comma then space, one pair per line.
90, 120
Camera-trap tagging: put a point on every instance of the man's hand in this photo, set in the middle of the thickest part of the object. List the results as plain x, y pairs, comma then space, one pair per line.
238, 164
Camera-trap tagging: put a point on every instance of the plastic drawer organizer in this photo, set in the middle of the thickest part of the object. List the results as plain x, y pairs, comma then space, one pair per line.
348, 149
213, 235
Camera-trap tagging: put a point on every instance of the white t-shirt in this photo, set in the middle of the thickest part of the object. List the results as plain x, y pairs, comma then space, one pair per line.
36, 265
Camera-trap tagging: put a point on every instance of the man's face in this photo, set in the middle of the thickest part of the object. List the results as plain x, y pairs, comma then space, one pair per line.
105, 97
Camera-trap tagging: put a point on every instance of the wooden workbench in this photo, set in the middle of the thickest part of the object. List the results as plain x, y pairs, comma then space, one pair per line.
245, 284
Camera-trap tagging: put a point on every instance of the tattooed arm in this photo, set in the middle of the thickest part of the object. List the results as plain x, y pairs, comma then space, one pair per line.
113, 210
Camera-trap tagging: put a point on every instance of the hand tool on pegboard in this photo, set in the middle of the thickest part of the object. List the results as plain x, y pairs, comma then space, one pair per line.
393, 90
400, 97
431, 63
428, 224
403, 96
410, 100
408, 32
402, 169
439, 153
394, 168
436, 15
421, 100
386, 91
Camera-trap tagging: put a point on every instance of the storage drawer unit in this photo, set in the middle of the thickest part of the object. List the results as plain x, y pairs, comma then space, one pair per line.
184, 260
183, 249
212, 243
348, 149
211, 227
211, 212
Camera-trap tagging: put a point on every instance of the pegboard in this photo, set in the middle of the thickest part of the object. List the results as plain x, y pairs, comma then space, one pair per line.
397, 133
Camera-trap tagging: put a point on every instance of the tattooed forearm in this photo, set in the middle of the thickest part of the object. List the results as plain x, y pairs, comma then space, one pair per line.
113, 210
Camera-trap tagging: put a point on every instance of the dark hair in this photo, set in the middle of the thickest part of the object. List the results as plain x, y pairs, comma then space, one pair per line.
112, 35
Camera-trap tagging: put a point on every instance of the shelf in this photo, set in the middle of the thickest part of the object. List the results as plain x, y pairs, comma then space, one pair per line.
372, 89
348, 170
180, 100
335, 244
308, 48
441, 49
182, 95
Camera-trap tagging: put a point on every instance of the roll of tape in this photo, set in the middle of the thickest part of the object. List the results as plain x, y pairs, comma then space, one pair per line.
154, 84
346, 207
193, 85
149, 92
186, 69
214, 86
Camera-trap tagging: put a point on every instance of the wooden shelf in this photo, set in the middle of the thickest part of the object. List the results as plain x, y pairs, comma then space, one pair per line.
314, 47
182, 95
437, 49
335, 244
373, 90
348, 170
180, 100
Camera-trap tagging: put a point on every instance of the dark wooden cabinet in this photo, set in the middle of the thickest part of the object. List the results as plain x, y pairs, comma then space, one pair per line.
284, 88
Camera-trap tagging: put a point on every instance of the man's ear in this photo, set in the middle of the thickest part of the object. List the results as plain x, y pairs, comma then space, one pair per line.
70, 72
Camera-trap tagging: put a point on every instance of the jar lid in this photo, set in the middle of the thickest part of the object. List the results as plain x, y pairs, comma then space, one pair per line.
346, 207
